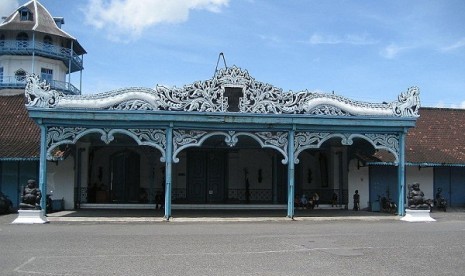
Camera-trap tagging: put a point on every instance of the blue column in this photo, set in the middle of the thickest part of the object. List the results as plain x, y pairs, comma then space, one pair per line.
401, 175
168, 164
290, 175
43, 167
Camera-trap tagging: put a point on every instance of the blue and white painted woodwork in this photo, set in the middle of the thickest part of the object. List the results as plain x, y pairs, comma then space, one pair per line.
174, 119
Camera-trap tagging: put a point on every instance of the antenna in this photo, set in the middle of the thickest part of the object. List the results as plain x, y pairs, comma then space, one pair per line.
221, 55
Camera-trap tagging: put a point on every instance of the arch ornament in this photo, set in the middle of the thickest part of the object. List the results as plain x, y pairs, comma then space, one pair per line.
183, 139
314, 140
57, 136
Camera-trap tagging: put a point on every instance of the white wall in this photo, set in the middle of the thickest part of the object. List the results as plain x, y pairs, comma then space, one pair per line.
179, 169
424, 176
11, 64
358, 180
60, 180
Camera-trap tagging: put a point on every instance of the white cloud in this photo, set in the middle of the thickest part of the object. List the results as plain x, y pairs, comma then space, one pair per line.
352, 39
460, 105
392, 50
7, 7
129, 18
456, 45
441, 104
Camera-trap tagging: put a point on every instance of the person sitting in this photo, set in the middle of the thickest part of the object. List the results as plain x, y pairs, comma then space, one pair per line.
159, 200
304, 201
296, 201
334, 200
316, 200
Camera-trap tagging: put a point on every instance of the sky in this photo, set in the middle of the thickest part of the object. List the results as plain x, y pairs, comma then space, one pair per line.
361, 49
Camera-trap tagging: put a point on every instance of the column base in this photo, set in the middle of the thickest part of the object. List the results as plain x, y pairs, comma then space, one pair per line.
417, 216
30, 217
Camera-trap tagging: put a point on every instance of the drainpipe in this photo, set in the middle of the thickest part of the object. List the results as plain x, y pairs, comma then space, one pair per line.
33, 51
69, 63
80, 75
168, 164
290, 174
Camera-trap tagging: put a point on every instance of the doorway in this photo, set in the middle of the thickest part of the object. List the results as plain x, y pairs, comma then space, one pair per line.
206, 176
125, 177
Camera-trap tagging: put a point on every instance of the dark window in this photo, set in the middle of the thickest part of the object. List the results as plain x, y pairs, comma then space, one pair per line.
48, 40
48, 43
22, 37
20, 75
25, 15
22, 40
233, 94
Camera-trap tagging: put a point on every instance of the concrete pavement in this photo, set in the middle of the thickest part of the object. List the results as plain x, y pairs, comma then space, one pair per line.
343, 243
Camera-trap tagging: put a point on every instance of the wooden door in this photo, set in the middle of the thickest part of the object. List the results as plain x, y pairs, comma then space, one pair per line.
206, 176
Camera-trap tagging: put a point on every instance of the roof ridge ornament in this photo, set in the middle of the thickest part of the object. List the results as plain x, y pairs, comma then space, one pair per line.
208, 96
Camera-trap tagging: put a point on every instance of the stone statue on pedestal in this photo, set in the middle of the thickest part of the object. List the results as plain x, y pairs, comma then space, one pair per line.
415, 198
30, 199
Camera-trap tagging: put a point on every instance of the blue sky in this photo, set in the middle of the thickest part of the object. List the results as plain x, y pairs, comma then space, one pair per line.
365, 50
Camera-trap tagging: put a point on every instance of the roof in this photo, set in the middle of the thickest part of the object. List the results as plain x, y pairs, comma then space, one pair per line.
42, 21
19, 134
437, 139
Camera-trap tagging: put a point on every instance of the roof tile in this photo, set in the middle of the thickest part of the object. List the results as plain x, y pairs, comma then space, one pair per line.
19, 134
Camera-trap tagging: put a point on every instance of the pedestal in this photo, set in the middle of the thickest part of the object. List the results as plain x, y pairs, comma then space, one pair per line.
30, 217
417, 215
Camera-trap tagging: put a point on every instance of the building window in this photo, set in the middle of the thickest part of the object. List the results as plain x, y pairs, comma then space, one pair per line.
2, 40
25, 15
22, 40
46, 74
22, 36
48, 42
20, 75
1, 74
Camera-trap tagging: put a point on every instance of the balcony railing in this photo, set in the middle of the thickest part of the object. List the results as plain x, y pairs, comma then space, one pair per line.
15, 47
18, 82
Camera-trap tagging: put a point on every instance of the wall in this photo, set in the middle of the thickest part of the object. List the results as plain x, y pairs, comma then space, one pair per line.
11, 64
358, 179
424, 176
14, 176
60, 181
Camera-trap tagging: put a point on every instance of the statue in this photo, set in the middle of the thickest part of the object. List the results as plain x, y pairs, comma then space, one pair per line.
30, 199
415, 197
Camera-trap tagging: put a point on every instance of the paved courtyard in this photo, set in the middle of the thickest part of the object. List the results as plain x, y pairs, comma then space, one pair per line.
357, 244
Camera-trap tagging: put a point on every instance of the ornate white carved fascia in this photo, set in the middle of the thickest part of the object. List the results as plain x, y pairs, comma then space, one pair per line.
183, 139
57, 136
208, 96
314, 140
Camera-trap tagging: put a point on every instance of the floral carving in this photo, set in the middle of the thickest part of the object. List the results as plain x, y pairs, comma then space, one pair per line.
208, 96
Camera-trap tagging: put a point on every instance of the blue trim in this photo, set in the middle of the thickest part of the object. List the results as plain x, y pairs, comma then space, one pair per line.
43, 168
290, 175
168, 164
401, 175
66, 55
